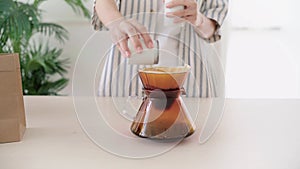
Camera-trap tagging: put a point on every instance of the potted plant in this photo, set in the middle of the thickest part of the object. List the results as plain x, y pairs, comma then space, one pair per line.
23, 31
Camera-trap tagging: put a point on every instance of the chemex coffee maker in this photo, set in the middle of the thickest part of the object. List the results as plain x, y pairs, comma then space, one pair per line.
162, 114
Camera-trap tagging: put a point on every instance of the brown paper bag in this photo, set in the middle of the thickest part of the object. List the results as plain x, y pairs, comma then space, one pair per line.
12, 114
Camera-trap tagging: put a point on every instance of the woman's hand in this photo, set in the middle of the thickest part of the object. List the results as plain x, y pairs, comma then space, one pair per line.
203, 25
124, 29
189, 13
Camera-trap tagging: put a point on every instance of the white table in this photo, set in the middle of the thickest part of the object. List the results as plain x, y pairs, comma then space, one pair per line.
260, 134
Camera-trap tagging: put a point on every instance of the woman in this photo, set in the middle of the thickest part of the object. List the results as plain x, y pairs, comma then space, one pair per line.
205, 18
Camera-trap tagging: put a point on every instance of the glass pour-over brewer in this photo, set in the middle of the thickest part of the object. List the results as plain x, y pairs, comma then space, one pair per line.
163, 115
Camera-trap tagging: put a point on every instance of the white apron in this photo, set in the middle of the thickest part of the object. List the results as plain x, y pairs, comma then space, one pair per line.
120, 79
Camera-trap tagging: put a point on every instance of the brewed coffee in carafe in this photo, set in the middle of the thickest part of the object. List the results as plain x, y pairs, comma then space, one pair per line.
163, 114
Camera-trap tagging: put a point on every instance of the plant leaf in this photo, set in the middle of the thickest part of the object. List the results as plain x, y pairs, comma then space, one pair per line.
79, 8
52, 29
53, 87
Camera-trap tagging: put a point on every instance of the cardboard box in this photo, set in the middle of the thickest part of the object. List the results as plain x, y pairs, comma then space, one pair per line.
12, 113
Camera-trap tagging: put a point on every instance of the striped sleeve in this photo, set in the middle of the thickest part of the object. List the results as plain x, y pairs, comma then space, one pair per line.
217, 11
97, 24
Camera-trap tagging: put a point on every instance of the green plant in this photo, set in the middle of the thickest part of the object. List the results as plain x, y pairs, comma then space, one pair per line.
41, 68
41, 63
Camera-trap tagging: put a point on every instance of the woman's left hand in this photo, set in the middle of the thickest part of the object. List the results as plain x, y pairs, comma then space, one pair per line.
189, 13
203, 25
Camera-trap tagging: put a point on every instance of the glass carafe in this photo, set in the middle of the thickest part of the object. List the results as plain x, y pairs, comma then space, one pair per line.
163, 114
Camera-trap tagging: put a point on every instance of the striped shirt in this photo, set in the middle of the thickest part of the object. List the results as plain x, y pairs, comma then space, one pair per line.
120, 79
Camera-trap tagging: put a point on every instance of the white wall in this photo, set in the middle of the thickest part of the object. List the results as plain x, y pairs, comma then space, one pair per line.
263, 49
79, 29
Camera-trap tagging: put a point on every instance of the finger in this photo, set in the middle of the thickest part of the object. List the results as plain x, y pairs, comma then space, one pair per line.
143, 33
121, 50
124, 47
182, 13
148, 41
134, 38
117, 36
191, 19
175, 3
179, 20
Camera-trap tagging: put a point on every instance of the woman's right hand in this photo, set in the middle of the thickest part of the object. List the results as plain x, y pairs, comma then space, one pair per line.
123, 30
